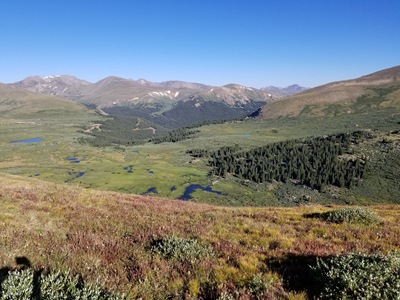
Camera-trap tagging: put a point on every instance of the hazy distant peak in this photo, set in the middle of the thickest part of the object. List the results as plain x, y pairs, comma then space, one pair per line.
51, 79
237, 86
145, 82
295, 88
286, 91
288, 88
55, 85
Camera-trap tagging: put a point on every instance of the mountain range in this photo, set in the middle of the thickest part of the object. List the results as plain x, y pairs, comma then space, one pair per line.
177, 103
170, 103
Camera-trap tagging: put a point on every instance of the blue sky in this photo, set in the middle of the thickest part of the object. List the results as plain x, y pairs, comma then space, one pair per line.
253, 42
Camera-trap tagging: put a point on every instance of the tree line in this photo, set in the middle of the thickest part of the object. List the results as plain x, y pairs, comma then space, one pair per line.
121, 130
174, 136
315, 162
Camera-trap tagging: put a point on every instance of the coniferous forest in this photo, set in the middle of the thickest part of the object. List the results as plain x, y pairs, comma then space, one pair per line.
315, 162
174, 136
121, 130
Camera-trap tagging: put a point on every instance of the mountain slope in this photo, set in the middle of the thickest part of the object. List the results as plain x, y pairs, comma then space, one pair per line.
229, 101
115, 91
16, 103
341, 97
56, 85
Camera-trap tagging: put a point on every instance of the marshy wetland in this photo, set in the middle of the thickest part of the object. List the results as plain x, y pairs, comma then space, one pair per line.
169, 170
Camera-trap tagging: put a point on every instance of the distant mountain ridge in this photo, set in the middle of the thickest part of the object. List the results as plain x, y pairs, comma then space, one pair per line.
176, 84
54, 85
287, 91
170, 103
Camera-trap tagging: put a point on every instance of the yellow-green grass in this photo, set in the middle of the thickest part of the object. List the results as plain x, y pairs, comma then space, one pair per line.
108, 235
168, 161
49, 159
18, 103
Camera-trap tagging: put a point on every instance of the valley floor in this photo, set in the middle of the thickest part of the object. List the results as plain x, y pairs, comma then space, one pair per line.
167, 170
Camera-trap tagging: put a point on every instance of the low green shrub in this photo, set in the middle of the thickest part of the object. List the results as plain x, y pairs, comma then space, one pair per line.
211, 215
26, 285
257, 284
360, 276
173, 247
352, 215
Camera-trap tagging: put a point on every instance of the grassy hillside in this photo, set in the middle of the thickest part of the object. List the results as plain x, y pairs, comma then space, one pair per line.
379, 89
18, 103
134, 243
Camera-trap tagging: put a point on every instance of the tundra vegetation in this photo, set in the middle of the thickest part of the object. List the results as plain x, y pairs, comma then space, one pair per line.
149, 247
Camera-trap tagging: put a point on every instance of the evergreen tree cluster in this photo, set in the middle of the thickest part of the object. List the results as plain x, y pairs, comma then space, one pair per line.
121, 130
184, 115
214, 122
185, 132
315, 162
174, 136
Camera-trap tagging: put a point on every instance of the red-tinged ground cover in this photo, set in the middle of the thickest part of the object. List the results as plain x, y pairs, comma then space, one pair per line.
110, 236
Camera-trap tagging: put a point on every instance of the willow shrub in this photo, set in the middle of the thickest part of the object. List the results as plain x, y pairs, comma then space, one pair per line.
176, 248
27, 285
359, 276
352, 215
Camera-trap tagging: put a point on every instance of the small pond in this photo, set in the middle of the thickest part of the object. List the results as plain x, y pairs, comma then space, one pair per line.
129, 169
151, 190
28, 141
191, 188
76, 174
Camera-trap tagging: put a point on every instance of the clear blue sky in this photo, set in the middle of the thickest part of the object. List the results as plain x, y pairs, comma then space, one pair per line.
253, 42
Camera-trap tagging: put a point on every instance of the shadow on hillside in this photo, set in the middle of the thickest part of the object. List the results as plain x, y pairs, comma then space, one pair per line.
23, 263
297, 274
313, 216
